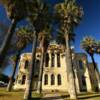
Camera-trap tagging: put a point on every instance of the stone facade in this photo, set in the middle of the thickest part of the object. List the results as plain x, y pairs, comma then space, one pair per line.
55, 70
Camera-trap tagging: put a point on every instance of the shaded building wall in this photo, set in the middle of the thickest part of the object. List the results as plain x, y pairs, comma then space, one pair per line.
94, 80
83, 72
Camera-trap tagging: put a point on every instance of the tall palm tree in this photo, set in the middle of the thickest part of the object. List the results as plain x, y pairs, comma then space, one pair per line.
39, 24
16, 12
28, 90
45, 37
89, 44
24, 36
70, 15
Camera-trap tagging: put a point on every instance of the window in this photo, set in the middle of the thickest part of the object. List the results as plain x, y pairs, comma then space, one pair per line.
38, 56
19, 81
23, 79
52, 59
47, 60
37, 67
26, 64
45, 79
58, 59
83, 81
80, 64
59, 79
52, 79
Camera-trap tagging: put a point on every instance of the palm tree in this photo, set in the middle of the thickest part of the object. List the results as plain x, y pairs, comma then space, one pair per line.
4, 29
39, 24
69, 14
16, 12
24, 36
28, 90
14, 59
89, 44
97, 47
45, 37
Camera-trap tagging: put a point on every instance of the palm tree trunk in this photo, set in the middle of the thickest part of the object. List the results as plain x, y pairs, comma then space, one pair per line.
6, 42
9, 88
39, 87
28, 91
95, 69
70, 73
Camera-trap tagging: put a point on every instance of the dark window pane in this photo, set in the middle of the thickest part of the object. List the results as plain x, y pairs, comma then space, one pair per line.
80, 64
19, 81
52, 59
26, 64
52, 79
23, 79
59, 79
58, 59
45, 79
47, 60
83, 81
37, 65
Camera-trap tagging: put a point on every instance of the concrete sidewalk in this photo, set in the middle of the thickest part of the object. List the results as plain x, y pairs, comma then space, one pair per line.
81, 96
55, 96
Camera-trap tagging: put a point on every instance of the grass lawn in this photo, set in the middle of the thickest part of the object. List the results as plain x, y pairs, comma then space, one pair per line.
95, 98
16, 95
84, 96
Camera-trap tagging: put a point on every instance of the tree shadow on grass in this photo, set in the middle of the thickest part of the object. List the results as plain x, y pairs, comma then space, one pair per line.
35, 98
52, 98
2, 95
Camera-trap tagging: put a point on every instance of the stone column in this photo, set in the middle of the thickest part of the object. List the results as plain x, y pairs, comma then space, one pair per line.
43, 80
87, 75
77, 82
49, 53
60, 59
56, 80
49, 80
55, 60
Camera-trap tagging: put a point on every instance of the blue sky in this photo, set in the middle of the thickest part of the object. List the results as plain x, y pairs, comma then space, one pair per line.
90, 24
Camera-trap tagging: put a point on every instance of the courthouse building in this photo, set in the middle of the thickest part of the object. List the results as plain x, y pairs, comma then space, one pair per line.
55, 70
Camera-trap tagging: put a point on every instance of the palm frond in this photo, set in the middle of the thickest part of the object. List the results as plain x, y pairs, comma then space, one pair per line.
88, 44
97, 47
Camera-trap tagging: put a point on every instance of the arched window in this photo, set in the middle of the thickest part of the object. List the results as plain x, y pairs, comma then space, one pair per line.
52, 79
58, 59
52, 59
45, 79
80, 64
36, 69
83, 80
23, 79
47, 60
59, 79
26, 64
